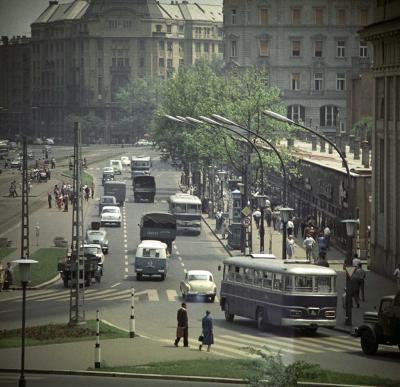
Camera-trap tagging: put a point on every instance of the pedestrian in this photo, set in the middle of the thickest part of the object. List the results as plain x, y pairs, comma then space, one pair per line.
290, 227
59, 200
8, 277
87, 193
354, 290
257, 217
322, 261
396, 275
356, 260
360, 275
290, 246
182, 329
6, 164
49, 198
92, 190
65, 201
309, 244
207, 331
268, 216
321, 241
1, 276
53, 163
218, 221
327, 235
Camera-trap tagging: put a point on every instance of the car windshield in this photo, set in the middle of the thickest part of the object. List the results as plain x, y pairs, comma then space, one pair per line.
198, 277
96, 234
108, 200
90, 250
110, 210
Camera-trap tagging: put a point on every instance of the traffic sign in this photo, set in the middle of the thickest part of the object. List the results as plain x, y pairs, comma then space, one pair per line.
246, 221
246, 211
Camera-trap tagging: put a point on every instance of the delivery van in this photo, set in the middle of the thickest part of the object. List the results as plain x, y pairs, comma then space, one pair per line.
151, 259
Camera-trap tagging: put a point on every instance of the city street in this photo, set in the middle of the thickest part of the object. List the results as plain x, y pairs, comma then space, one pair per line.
157, 301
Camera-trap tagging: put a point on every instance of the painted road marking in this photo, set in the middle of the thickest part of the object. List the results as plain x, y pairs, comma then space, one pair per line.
172, 294
118, 283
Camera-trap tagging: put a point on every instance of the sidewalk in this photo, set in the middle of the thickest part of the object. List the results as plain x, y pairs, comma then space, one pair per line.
376, 285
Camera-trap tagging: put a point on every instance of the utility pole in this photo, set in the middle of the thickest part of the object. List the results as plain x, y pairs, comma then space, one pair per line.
77, 287
25, 203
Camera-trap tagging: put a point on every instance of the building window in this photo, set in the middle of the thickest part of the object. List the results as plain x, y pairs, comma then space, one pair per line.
264, 47
263, 16
198, 47
318, 16
328, 115
221, 48
318, 48
341, 17
180, 29
206, 47
158, 28
181, 47
296, 113
318, 81
340, 81
340, 49
169, 63
141, 62
169, 28
161, 45
363, 49
233, 48
169, 46
161, 62
295, 81
295, 47
295, 16
181, 62
234, 16
364, 16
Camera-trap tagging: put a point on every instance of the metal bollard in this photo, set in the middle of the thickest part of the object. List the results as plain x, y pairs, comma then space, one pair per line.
97, 349
132, 318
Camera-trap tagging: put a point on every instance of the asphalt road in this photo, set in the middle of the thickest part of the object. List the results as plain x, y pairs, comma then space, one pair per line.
157, 301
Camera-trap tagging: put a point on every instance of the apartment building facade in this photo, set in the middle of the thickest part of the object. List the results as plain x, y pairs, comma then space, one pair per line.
384, 34
84, 52
311, 50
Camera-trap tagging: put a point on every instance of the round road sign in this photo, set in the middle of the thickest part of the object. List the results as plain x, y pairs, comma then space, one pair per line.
246, 221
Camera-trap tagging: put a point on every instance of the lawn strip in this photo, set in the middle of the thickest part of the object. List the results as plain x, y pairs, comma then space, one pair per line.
58, 333
5, 251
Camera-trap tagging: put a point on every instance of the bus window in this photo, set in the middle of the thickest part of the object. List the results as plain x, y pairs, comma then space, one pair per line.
258, 275
288, 280
231, 273
267, 280
323, 284
193, 209
180, 207
304, 283
278, 281
248, 276
239, 274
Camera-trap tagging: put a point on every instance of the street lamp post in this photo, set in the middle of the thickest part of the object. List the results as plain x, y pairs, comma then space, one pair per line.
351, 225
24, 270
261, 202
222, 178
285, 213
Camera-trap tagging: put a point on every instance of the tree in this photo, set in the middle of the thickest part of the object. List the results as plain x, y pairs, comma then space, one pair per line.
138, 103
362, 129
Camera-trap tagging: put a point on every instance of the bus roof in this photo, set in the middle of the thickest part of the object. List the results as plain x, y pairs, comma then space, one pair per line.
184, 198
140, 158
279, 266
159, 217
115, 182
152, 244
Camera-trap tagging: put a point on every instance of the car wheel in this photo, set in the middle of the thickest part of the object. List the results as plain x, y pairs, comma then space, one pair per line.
162, 277
261, 320
369, 344
228, 315
212, 298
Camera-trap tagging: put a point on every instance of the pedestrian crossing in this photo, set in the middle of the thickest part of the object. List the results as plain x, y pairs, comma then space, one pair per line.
92, 294
237, 345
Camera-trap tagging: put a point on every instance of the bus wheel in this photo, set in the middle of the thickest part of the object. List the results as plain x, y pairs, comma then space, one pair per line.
228, 316
312, 329
261, 321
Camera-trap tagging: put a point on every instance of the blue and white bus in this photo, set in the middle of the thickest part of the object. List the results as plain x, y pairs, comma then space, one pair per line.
277, 292
187, 211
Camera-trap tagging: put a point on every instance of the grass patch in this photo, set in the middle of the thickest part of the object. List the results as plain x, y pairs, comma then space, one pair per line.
58, 333
5, 251
86, 178
45, 269
243, 369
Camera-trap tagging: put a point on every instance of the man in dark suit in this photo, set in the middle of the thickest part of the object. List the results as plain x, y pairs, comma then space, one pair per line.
182, 318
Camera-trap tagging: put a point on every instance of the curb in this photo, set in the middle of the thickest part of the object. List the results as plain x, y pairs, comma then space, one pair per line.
188, 378
216, 235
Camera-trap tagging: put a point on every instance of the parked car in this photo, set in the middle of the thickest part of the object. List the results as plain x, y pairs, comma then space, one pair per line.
142, 142
107, 201
382, 326
97, 237
37, 141
110, 215
126, 162
16, 163
49, 141
198, 283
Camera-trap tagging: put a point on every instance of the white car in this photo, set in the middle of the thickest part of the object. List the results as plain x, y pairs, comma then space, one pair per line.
117, 166
126, 162
143, 142
198, 283
110, 215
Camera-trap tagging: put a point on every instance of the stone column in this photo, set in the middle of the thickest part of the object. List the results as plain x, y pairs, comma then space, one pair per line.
330, 149
356, 149
351, 142
322, 145
365, 154
314, 142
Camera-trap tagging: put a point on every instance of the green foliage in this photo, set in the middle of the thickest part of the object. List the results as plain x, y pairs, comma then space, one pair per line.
92, 127
363, 128
138, 103
270, 370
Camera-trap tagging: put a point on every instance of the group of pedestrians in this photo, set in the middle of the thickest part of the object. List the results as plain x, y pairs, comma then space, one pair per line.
6, 276
62, 196
182, 330
12, 191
